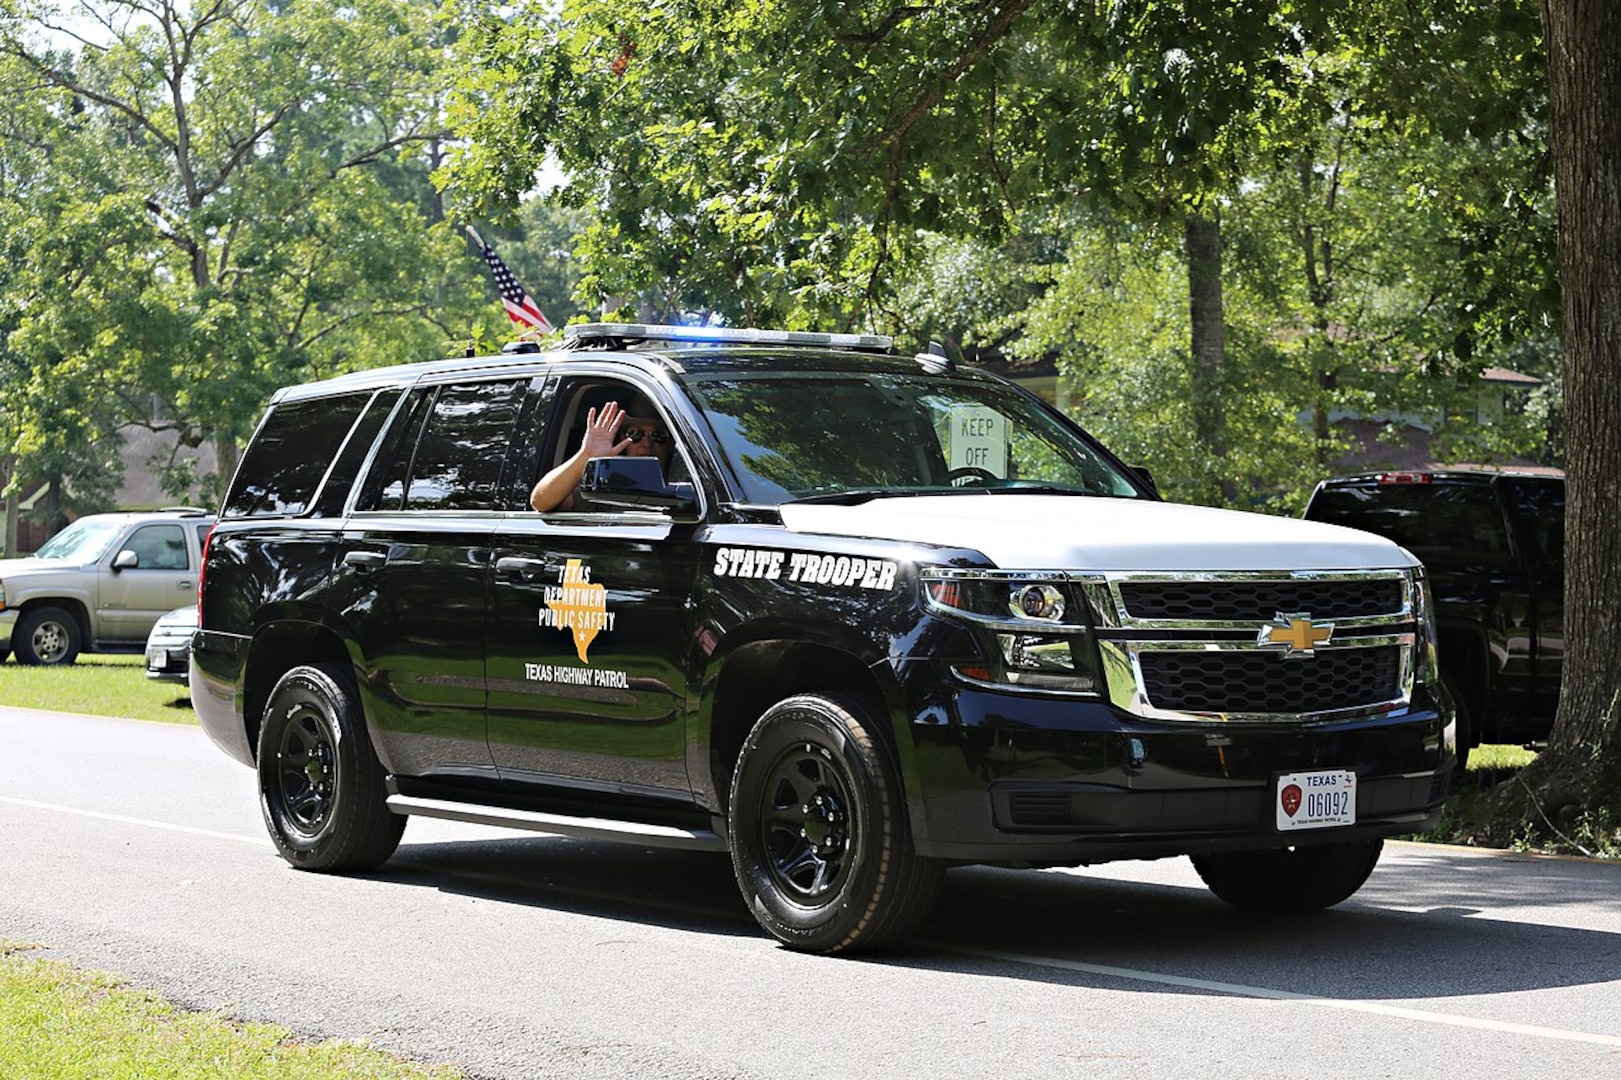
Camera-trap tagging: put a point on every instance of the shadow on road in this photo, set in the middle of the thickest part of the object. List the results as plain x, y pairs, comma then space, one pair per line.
1451, 946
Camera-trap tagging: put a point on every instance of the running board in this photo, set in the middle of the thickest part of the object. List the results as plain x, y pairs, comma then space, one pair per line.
589, 828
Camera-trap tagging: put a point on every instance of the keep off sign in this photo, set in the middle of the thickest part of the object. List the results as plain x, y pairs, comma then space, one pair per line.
978, 439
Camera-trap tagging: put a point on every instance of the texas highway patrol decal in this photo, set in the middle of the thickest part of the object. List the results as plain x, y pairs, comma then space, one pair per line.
847, 570
579, 605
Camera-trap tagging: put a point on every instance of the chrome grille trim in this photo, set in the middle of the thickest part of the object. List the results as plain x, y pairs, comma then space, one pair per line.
1103, 594
1124, 639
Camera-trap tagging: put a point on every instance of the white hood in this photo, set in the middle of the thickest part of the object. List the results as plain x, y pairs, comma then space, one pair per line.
1080, 533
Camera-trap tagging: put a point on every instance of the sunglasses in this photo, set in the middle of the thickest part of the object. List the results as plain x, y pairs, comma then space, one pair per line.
659, 436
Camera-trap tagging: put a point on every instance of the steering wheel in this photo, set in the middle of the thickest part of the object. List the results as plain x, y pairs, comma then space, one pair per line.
963, 474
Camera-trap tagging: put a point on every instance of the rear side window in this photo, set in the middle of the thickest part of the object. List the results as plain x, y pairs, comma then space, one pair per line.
1423, 518
285, 462
453, 460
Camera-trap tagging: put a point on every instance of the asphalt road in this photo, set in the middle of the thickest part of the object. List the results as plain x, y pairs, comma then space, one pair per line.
138, 848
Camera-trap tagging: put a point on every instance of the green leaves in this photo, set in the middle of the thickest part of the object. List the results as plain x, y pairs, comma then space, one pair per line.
224, 199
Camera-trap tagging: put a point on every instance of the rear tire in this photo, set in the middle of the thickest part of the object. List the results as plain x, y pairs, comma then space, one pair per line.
818, 830
1463, 721
320, 783
1290, 880
46, 635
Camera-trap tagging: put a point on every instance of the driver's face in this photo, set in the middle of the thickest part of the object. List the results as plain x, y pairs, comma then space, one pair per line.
641, 431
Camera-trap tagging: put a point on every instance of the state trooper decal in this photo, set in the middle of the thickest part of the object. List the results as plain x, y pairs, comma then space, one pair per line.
851, 571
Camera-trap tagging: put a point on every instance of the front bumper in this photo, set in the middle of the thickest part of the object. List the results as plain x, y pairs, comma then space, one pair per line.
8, 620
1024, 778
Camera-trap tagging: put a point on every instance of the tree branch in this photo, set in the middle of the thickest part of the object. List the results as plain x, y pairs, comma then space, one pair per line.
62, 81
240, 148
994, 32
882, 30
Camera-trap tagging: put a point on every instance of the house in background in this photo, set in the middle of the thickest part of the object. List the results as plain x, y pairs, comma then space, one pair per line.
142, 488
1403, 441
144, 451
1393, 441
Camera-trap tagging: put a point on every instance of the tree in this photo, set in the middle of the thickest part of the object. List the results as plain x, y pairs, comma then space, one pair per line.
236, 200
1580, 771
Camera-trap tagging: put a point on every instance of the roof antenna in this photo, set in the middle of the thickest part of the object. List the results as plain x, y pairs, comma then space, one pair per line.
935, 361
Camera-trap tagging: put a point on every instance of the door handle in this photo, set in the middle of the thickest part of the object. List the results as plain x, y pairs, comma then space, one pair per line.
183, 585
364, 561
515, 566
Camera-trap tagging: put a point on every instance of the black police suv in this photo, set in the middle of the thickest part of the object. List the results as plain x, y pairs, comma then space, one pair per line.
861, 617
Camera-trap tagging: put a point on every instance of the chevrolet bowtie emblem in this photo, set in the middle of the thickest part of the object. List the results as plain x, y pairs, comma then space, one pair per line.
1294, 634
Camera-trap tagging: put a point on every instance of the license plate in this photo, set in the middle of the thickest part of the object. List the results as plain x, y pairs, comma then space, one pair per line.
157, 659
1315, 800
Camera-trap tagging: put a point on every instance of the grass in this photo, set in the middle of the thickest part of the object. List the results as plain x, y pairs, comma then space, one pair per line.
61, 1023
100, 685
1491, 759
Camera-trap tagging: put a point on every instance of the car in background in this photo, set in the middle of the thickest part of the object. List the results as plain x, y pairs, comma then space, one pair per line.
168, 646
100, 584
1494, 546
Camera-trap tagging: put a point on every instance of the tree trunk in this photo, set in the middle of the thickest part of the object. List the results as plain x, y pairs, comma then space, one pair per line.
224, 464
1581, 768
8, 544
1202, 234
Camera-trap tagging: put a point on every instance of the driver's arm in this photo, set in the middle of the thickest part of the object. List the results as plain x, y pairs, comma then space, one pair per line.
555, 490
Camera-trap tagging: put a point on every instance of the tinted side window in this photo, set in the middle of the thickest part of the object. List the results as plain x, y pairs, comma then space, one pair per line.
1538, 509
1420, 517
458, 461
159, 547
385, 481
285, 463
335, 492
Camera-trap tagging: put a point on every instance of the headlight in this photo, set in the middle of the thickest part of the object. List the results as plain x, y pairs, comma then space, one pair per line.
1034, 636
2, 596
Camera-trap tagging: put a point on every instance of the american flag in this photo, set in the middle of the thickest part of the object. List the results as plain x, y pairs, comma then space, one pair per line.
521, 309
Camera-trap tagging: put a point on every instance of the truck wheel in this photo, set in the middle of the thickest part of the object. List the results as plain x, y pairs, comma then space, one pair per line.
46, 635
1290, 880
1463, 722
818, 830
320, 784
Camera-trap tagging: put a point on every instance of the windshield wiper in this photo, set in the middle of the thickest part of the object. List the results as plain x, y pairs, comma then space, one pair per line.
857, 496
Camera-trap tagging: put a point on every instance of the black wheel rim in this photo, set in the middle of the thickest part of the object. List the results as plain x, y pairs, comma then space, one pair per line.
808, 823
306, 771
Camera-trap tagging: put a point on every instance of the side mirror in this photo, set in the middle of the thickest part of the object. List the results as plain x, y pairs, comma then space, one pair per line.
1140, 472
126, 560
637, 483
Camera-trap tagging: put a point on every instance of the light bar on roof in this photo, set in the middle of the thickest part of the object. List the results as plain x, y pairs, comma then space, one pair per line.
724, 335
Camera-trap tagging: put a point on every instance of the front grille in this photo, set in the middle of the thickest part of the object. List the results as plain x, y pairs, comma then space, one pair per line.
1265, 682
1259, 601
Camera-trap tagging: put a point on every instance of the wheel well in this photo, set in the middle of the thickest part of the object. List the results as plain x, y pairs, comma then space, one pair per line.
277, 649
73, 607
762, 673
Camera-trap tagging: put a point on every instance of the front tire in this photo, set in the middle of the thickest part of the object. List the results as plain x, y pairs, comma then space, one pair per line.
320, 783
46, 635
818, 830
1290, 880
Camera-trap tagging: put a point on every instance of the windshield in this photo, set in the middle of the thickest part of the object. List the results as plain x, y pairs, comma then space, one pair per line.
84, 541
804, 435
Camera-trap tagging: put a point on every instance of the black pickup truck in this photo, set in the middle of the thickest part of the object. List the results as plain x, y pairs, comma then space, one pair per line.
1494, 546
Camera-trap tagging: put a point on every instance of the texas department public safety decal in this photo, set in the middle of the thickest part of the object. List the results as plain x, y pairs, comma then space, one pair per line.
578, 605
850, 571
